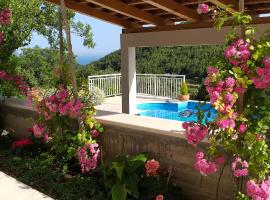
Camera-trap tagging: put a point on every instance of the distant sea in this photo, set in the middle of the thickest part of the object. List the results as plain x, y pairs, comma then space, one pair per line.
84, 60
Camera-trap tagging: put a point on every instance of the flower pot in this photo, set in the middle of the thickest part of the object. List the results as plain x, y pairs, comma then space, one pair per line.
184, 97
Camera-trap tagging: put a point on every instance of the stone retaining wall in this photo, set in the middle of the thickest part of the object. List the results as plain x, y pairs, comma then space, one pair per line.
171, 151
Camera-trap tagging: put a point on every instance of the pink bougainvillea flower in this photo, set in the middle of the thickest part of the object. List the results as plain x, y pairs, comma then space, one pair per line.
223, 123
88, 157
229, 82
21, 143
5, 16
242, 128
194, 133
47, 137
38, 130
212, 70
238, 52
152, 167
262, 81
203, 8
220, 160
95, 133
204, 166
260, 191
159, 197
239, 167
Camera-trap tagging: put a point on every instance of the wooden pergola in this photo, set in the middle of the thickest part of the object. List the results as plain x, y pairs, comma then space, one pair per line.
148, 23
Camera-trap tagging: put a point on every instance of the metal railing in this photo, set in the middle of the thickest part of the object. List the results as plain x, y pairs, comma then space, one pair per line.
163, 85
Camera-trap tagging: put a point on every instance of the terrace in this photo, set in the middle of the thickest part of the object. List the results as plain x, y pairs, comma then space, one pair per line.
150, 23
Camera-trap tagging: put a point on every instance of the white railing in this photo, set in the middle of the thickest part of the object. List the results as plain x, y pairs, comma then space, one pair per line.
147, 84
110, 83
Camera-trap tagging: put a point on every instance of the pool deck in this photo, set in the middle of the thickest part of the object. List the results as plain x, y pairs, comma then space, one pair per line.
113, 105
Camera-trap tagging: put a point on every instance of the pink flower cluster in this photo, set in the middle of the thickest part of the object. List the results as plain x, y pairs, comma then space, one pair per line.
204, 166
17, 81
5, 16
60, 104
242, 128
238, 53
239, 167
263, 75
38, 130
228, 122
223, 91
203, 8
152, 167
88, 157
21, 143
258, 191
195, 133
95, 133
159, 197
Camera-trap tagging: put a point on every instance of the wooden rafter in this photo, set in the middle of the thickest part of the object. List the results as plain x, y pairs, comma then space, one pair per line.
175, 8
97, 14
250, 2
194, 25
229, 5
131, 11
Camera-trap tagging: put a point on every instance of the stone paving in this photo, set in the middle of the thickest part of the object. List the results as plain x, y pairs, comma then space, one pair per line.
11, 189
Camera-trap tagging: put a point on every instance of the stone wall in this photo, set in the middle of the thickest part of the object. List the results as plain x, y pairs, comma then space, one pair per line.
171, 150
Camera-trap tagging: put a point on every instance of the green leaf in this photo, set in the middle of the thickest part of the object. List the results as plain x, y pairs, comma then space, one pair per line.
119, 192
119, 168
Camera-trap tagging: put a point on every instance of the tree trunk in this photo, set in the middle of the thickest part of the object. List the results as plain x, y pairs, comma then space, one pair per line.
72, 68
61, 40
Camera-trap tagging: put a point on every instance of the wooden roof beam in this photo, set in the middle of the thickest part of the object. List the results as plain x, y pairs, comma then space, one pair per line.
229, 5
251, 2
194, 25
131, 11
175, 8
87, 10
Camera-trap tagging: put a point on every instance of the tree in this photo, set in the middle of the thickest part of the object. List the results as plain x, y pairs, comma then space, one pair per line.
30, 16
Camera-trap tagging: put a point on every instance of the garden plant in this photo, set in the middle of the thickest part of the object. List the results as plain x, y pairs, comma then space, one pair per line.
238, 87
64, 139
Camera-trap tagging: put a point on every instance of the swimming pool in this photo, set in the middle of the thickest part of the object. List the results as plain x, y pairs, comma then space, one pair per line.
183, 111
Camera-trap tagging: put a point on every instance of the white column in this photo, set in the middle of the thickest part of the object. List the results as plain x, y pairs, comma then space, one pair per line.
128, 71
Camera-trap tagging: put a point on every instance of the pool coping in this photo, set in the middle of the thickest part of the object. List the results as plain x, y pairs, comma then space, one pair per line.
163, 127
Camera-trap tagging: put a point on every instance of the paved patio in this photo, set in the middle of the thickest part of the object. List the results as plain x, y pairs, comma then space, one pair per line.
113, 105
11, 189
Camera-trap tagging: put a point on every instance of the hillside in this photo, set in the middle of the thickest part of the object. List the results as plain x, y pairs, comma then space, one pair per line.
189, 60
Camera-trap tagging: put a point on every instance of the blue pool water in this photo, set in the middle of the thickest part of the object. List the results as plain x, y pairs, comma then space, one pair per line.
183, 111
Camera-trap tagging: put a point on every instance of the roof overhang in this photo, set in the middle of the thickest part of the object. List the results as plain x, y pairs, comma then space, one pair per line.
161, 15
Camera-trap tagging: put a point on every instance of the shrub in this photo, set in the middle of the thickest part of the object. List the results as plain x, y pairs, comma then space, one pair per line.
184, 88
92, 97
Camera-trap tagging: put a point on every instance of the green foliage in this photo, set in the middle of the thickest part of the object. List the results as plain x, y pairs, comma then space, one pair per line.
125, 178
30, 16
93, 97
40, 173
36, 66
189, 60
122, 176
184, 88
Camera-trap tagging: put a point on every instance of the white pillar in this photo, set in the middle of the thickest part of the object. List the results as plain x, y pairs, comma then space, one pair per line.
128, 71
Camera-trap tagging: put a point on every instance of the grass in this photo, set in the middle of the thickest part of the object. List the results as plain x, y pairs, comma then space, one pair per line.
41, 175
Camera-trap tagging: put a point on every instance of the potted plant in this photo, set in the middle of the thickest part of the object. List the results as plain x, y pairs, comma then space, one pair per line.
184, 92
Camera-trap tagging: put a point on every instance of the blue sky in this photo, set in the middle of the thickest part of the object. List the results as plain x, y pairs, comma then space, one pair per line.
106, 37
